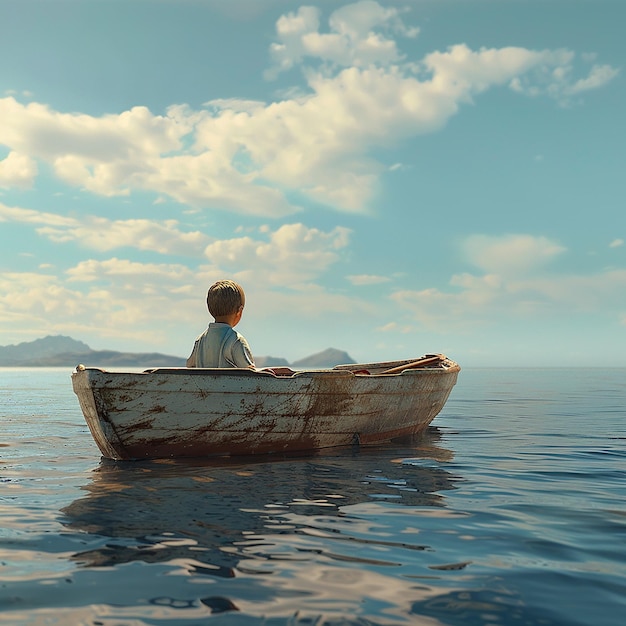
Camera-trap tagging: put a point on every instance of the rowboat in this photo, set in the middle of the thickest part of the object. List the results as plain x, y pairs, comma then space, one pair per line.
197, 412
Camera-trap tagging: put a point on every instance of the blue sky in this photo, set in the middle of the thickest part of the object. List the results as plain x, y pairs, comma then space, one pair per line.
387, 178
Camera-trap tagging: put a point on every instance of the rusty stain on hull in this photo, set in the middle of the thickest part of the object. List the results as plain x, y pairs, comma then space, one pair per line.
202, 412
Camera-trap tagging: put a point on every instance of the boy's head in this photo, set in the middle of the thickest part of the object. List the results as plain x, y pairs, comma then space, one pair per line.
225, 297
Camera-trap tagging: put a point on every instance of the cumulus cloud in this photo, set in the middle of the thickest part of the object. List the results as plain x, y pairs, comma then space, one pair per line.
112, 299
291, 256
358, 36
599, 76
483, 301
162, 273
30, 216
37, 129
28, 297
558, 80
102, 234
511, 287
146, 301
510, 254
17, 170
314, 145
616, 243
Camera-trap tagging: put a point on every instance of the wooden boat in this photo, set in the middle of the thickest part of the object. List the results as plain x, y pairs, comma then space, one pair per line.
174, 412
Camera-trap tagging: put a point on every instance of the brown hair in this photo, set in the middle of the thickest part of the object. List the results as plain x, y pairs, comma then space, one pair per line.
224, 298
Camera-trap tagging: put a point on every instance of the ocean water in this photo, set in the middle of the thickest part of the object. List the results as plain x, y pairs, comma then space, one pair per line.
509, 510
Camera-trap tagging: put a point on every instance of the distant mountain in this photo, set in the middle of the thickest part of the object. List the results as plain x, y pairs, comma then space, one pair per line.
40, 349
61, 351
327, 358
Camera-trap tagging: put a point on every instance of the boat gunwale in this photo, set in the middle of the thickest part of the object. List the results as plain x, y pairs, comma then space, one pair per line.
360, 370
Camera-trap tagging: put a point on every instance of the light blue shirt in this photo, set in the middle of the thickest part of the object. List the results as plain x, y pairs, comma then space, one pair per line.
220, 345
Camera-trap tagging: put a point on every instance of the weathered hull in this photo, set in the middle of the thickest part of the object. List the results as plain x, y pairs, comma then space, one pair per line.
203, 412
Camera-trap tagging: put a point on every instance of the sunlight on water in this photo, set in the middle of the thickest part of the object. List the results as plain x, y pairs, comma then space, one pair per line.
510, 511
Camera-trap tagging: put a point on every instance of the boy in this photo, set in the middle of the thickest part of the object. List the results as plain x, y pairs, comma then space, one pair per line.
221, 345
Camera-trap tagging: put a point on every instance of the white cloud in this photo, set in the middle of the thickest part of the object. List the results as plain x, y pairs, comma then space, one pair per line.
462, 72
102, 234
38, 130
555, 77
30, 216
357, 37
314, 146
117, 299
512, 287
367, 279
212, 179
510, 254
483, 301
99, 233
156, 273
616, 243
599, 76
28, 297
17, 170
151, 302
290, 257
236, 105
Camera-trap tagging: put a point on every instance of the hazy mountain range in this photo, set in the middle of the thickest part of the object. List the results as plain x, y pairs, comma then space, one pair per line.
61, 351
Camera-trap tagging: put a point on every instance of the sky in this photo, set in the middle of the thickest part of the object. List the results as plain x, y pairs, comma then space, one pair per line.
386, 178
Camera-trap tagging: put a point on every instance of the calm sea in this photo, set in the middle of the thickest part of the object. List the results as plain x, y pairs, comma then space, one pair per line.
510, 510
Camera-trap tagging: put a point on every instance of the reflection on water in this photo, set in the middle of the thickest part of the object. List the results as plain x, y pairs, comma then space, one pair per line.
158, 511
313, 525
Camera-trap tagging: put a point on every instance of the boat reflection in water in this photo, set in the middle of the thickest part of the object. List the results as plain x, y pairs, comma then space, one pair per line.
275, 536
